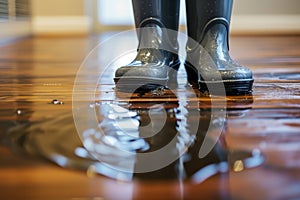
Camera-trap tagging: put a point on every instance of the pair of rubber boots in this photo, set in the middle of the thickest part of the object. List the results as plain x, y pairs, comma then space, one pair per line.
207, 63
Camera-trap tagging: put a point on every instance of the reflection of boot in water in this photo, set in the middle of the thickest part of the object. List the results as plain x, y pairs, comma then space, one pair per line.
207, 153
169, 128
186, 130
161, 140
239, 106
196, 129
159, 127
209, 63
157, 23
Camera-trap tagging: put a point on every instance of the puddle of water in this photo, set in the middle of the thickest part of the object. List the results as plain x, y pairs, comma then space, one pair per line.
278, 139
128, 131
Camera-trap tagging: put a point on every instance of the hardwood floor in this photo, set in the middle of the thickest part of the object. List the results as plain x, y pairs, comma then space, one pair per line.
43, 80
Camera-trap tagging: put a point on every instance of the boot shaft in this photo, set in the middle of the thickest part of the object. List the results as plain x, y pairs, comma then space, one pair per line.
157, 23
202, 14
163, 12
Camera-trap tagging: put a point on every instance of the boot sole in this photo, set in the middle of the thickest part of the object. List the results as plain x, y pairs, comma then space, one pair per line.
141, 83
232, 87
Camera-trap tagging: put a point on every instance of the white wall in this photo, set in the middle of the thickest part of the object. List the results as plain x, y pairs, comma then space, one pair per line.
70, 17
266, 16
266, 7
249, 16
60, 17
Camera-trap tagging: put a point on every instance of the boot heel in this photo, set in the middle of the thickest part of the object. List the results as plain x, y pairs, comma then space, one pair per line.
232, 88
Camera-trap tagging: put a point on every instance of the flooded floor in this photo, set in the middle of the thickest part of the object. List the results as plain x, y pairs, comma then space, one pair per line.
126, 133
63, 128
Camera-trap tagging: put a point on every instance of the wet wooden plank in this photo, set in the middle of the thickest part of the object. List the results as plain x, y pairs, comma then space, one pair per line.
35, 71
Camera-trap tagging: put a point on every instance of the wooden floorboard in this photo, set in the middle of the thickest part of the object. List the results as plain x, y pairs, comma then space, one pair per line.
36, 71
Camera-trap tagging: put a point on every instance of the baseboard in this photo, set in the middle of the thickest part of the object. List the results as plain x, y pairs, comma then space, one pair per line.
240, 24
61, 25
13, 29
265, 24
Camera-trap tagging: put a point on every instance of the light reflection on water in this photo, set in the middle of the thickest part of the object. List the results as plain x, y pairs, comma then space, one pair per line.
131, 130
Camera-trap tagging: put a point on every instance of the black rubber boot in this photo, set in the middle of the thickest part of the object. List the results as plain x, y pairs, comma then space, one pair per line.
209, 64
157, 25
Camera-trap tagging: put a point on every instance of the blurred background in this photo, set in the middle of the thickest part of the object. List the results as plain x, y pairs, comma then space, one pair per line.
76, 17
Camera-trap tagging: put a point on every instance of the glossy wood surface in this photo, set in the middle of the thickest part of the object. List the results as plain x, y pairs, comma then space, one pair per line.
35, 71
